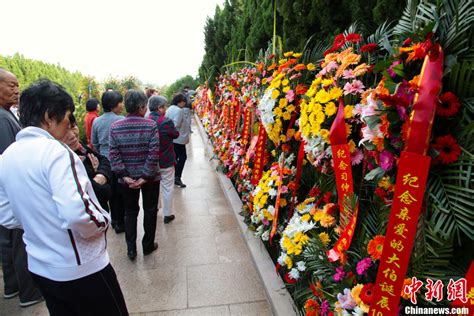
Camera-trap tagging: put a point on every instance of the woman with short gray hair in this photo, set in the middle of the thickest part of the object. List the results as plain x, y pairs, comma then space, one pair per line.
168, 132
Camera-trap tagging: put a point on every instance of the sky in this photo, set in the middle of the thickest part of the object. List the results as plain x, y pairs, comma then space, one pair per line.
157, 41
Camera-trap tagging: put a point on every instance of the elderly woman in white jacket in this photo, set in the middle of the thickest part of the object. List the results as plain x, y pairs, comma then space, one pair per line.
181, 117
64, 225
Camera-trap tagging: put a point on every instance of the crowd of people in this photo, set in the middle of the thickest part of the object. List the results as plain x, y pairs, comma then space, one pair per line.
53, 243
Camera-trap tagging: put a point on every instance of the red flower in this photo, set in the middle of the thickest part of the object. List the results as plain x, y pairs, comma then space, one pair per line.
301, 89
448, 105
369, 48
312, 307
381, 193
353, 37
366, 293
314, 192
407, 42
448, 149
339, 41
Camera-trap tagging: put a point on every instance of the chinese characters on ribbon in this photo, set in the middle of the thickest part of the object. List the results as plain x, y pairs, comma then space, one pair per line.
406, 206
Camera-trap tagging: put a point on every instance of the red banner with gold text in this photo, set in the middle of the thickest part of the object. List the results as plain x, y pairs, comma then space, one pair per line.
413, 168
407, 200
259, 155
344, 182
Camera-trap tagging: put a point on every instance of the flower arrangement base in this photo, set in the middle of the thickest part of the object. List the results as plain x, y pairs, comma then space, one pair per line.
278, 296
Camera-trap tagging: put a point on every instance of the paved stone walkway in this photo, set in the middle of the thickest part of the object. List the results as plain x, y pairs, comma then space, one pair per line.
202, 266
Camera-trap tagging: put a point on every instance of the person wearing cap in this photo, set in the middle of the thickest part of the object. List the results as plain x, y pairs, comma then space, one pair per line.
168, 132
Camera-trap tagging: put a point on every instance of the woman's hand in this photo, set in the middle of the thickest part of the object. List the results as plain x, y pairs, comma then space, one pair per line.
138, 184
130, 182
94, 161
100, 179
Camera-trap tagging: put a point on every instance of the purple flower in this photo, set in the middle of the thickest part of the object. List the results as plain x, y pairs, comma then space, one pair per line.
340, 274
324, 308
363, 266
386, 160
345, 300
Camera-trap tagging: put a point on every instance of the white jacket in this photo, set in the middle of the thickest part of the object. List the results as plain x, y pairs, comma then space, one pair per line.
182, 121
44, 189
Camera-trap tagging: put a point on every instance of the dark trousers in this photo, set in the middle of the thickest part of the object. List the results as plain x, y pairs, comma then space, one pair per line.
150, 193
117, 211
16, 276
95, 294
181, 156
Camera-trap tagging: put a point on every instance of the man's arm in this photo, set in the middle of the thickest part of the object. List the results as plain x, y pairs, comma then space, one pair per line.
7, 133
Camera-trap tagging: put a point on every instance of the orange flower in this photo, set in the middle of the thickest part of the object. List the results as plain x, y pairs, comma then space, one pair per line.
375, 247
312, 307
286, 148
301, 89
292, 185
298, 136
271, 67
300, 67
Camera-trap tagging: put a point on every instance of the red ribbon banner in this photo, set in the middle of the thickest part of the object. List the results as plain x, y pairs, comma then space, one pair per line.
259, 155
410, 186
245, 129
345, 188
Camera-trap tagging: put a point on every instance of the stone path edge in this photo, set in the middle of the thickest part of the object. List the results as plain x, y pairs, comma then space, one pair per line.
279, 298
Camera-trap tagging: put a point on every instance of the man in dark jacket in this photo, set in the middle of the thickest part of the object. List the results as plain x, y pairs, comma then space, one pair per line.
16, 276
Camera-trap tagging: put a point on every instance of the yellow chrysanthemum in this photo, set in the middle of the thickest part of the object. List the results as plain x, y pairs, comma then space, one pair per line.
286, 89
264, 81
348, 111
320, 117
324, 134
335, 93
287, 116
288, 54
285, 82
327, 82
322, 96
330, 109
275, 84
327, 221
297, 55
278, 112
305, 217
289, 262
324, 238
275, 94
282, 103
311, 67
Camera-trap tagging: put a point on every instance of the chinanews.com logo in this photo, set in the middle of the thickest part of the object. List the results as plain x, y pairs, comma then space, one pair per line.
456, 290
415, 310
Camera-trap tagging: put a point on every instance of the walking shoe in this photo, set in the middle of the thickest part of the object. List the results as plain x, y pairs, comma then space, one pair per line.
147, 252
132, 254
168, 219
10, 295
179, 183
119, 228
26, 304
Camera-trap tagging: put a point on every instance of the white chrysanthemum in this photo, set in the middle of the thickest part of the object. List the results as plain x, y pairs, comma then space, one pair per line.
265, 106
271, 210
266, 235
282, 258
272, 192
358, 311
294, 274
300, 265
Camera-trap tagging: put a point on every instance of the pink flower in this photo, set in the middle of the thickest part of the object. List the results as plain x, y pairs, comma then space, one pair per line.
330, 66
290, 95
386, 160
356, 86
296, 76
340, 274
357, 157
390, 69
284, 189
347, 74
363, 266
